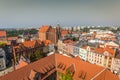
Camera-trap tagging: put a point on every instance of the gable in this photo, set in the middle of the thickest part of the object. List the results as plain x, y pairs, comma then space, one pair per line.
44, 28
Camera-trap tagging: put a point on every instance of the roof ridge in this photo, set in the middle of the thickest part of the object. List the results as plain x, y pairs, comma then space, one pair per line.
98, 74
55, 60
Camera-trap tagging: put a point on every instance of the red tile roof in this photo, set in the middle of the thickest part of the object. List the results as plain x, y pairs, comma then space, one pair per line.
109, 76
12, 38
2, 33
64, 32
32, 74
92, 70
69, 41
21, 64
44, 28
29, 43
61, 63
24, 72
101, 50
47, 42
110, 50
88, 70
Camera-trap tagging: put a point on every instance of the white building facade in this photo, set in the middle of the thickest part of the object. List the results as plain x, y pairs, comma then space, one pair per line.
103, 59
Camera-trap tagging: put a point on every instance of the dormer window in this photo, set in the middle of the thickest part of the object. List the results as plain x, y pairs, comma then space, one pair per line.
34, 75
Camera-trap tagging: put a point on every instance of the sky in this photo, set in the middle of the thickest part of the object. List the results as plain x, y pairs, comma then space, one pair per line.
30, 13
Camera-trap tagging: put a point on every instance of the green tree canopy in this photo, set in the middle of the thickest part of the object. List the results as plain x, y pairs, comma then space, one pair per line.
66, 76
2, 44
36, 56
32, 57
18, 32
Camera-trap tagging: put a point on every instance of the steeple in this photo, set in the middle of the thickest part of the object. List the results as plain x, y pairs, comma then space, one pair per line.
58, 29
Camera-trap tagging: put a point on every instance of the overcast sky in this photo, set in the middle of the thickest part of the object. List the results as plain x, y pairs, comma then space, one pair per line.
21, 13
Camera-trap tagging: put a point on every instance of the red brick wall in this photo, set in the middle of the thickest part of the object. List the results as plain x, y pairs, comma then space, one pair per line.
42, 36
51, 36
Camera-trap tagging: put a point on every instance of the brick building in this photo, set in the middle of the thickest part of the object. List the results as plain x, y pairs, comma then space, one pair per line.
47, 32
26, 48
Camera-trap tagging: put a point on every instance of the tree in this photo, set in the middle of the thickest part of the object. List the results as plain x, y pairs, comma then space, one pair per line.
18, 32
2, 44
32, 57
66, 76
16, 60
75, 39
36, 56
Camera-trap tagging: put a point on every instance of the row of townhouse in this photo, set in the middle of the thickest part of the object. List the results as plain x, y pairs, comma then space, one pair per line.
87, 54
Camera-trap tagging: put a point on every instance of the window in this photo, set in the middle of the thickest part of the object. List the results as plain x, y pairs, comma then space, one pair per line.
105, 57
110, 57
109, 65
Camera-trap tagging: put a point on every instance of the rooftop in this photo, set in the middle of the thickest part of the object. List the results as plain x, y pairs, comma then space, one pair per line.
12, 38
2, 33
44, 28
61, 63
101, 50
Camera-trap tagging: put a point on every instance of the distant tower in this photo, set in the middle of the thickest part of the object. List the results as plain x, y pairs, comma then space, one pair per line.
71, 28
58, 29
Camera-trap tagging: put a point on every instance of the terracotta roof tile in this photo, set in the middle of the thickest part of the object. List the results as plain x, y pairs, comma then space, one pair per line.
32, 74
2, 33
110, 50
80, 69
12, 38
110, 76
44, 28
47, 42
64, 32
69, 42
24, 72
91, 69
71, 68
29, 43
101, 50
21, 64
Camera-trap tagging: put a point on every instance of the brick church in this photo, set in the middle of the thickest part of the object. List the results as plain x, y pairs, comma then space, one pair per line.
47, 32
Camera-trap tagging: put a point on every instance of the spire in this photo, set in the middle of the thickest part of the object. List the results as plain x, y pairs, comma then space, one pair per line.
58, 25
